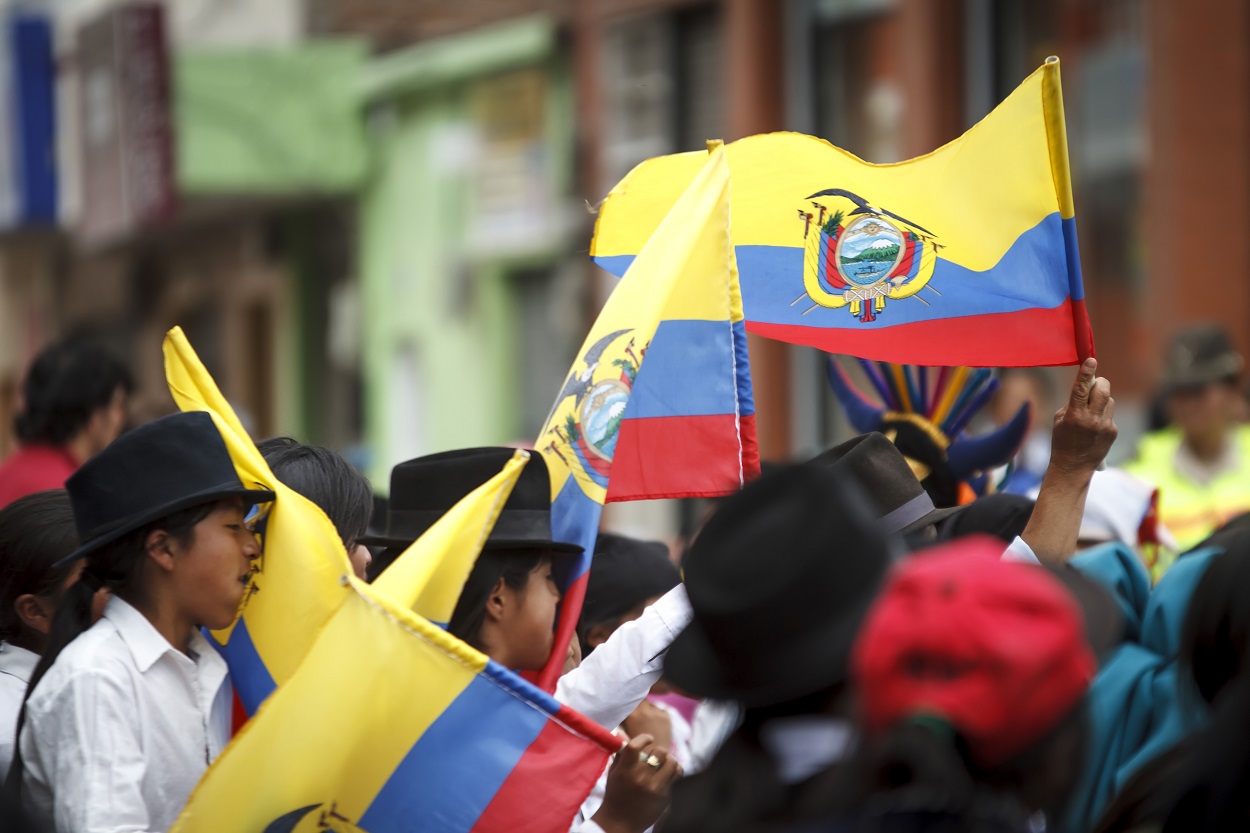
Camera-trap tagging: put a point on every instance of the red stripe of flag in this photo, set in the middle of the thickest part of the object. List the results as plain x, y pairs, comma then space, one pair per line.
551, 780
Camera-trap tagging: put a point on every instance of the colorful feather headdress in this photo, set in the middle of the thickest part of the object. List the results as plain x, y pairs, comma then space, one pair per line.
926, 412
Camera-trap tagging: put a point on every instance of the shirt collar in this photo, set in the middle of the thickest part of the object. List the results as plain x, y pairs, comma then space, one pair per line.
804, 745
17, 662
144, 641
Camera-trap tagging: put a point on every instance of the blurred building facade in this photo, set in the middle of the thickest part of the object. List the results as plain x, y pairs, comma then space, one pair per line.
375, 218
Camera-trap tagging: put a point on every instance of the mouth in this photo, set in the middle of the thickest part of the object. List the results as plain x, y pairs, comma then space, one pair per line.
246, 578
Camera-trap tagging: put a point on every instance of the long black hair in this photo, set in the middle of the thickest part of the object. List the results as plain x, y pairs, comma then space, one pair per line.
513, 566
1215, 783
36, 531
1201, 782
115, 566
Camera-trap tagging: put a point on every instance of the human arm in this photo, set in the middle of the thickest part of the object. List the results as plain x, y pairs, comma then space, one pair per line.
614, 678
1083, 433
84, 761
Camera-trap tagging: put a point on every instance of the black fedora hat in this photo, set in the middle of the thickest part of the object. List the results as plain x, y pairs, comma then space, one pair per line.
778, 580
163, 467
871, 460
425, 489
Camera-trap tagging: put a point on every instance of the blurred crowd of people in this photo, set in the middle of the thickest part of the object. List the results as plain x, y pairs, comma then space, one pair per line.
840, 648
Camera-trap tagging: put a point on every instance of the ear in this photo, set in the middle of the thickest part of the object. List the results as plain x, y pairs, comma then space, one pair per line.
598, 635
33, 613
497, 601
158, 546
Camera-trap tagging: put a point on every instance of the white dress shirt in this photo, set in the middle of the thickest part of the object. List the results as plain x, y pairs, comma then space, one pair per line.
16, 666
122, 727
618, 675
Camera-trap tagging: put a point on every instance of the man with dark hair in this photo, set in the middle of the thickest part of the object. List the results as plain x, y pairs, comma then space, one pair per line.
73, 405
328, 480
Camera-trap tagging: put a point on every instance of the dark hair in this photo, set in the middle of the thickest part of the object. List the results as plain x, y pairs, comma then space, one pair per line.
1214, 640
36, 531
513, 566
67, 383
325, 478
1192, 783
115, 566
923, 769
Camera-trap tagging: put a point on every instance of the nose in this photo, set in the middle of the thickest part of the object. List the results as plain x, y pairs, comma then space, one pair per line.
251, 546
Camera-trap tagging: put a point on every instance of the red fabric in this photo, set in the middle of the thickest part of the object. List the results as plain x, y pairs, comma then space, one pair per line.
995, 648
706, 445
552, 779
1031, 338
566, 625
34, 468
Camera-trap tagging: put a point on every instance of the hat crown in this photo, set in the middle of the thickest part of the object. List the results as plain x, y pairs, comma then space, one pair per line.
793, 554
426, 488
162, 463
877, 466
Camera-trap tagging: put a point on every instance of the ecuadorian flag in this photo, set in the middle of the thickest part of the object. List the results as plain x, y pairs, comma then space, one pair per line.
390, 724
965, 256
300, 578
658, 403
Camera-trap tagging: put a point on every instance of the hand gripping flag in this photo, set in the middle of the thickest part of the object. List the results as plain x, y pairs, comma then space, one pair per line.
298, 581
391, 724
965, 256
658, 403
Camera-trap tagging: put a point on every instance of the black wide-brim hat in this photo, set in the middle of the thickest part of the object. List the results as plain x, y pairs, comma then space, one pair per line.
425, 489
779, 580
160, 468
881, 471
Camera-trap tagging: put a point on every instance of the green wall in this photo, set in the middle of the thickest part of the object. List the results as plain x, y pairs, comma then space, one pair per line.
425, 290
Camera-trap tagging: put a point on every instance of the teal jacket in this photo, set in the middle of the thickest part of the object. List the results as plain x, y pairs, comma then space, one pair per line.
1137, 706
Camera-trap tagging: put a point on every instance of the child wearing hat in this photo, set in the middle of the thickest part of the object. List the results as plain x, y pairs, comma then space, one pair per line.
507, 610
123, 716
36, 531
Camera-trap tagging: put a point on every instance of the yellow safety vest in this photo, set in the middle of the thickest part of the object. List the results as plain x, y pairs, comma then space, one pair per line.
1192, 511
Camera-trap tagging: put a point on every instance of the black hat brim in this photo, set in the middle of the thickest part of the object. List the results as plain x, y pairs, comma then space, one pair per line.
931, 518
799, 666
221, 492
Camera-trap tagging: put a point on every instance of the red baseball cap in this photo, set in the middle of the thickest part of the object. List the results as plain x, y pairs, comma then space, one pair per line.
996, 648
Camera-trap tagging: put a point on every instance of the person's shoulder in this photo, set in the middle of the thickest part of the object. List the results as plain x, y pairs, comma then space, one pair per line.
95, 659
33, 468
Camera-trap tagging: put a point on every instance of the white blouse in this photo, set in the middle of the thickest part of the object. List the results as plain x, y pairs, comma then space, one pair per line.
122, 727
16, 666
